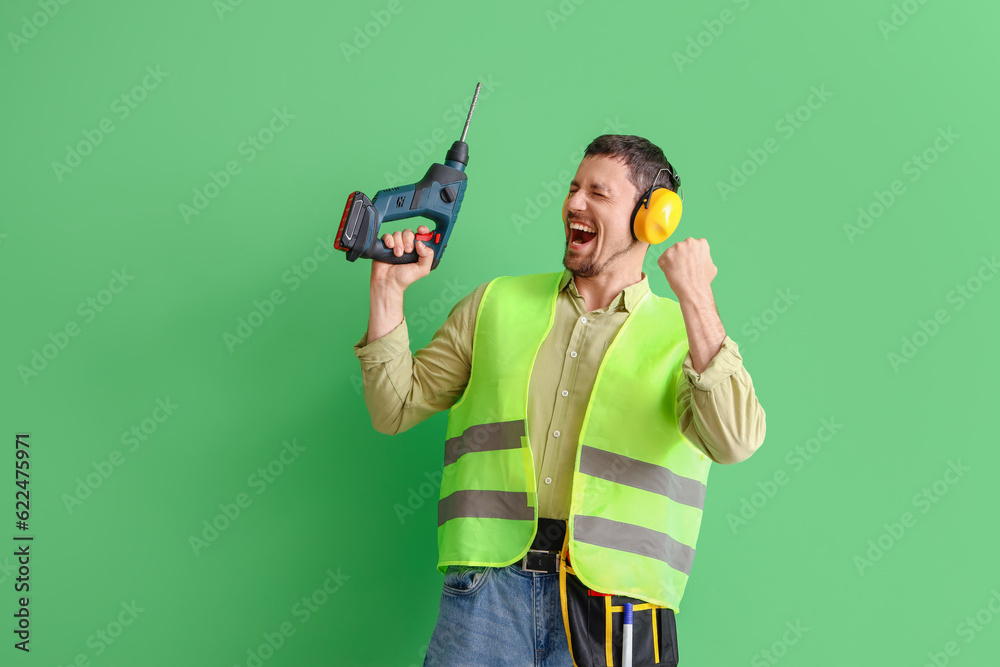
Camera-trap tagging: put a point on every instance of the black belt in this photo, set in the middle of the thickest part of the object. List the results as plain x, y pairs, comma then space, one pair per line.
543, 556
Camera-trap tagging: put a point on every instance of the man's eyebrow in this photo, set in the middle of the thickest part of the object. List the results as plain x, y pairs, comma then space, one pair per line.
595, 186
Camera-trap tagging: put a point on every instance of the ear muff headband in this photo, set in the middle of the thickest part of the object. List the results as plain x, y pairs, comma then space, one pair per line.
657, 213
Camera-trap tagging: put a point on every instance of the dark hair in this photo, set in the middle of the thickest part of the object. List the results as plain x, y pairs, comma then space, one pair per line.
643, 158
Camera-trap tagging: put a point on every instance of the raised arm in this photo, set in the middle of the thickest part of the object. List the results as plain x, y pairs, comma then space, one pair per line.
717, 408
401, 390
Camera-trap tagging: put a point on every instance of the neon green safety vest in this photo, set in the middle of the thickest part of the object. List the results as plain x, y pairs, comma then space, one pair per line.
639, 486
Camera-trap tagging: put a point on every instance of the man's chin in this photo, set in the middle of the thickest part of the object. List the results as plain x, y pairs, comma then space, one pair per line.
577, 265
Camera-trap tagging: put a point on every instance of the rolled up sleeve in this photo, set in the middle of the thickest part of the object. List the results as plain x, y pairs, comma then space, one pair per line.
717, 409
400, 389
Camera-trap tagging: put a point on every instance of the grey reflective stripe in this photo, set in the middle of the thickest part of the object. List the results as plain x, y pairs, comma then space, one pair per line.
483, 438
641, 475
485, 505
634, 539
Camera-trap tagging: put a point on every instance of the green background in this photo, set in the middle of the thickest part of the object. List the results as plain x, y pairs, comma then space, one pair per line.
559, 76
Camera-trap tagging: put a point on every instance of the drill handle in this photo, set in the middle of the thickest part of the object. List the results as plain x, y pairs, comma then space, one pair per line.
380, 253
440, 221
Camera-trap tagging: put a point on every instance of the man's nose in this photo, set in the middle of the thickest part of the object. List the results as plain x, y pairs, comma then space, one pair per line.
576, 201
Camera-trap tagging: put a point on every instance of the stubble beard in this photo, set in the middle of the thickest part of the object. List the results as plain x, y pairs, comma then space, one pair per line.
590, 268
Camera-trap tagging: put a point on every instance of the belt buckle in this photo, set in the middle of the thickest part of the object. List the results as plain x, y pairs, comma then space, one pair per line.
536, 560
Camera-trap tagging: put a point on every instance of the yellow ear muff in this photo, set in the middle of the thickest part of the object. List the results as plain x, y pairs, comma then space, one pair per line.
656, 223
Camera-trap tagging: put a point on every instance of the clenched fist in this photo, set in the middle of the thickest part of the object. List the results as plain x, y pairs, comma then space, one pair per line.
400, 276
688, 268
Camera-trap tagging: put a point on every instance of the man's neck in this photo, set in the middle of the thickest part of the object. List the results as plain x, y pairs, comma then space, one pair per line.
599, 291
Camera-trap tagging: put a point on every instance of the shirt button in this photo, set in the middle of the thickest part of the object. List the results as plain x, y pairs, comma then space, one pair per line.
565, 393
573, 354
548, 480
583, 319
555, 434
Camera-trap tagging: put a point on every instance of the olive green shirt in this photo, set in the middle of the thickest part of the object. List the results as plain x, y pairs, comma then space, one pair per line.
717, 410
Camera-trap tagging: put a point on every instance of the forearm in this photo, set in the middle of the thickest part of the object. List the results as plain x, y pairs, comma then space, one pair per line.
705, 332
385, 312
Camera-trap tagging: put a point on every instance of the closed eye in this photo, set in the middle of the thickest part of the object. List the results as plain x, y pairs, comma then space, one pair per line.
595, 193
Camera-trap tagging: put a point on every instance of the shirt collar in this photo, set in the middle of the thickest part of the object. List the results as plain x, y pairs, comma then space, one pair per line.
629, 297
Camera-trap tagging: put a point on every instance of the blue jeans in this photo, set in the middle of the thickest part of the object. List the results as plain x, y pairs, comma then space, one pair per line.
499, 617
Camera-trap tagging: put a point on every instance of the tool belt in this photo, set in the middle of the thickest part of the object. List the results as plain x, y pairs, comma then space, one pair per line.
593, 620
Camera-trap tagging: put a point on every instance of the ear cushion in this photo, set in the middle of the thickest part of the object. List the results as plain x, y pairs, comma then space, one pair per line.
654, 224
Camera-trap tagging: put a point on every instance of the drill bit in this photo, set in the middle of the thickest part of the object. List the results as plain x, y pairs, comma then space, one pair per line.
471, 109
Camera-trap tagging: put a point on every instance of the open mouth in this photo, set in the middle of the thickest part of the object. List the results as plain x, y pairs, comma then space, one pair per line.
581, 234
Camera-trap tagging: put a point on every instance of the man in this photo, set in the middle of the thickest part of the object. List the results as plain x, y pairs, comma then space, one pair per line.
585, 411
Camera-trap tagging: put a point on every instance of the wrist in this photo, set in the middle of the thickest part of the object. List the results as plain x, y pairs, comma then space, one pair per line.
695, 296
385, 291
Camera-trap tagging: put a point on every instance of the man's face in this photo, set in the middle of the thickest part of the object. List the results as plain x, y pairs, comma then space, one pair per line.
601, 199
